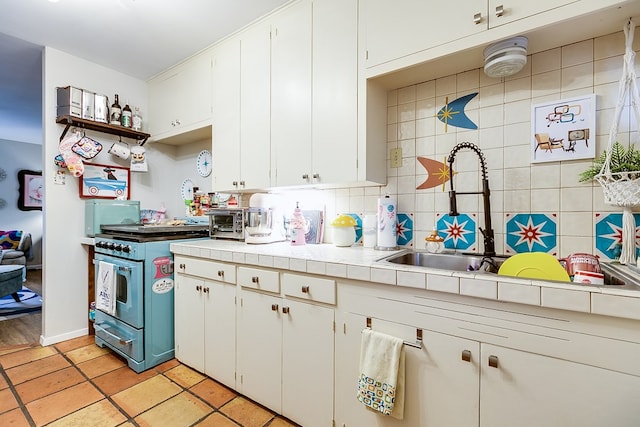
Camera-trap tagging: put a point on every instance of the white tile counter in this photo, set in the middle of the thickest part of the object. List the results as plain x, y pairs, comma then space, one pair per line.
359, 263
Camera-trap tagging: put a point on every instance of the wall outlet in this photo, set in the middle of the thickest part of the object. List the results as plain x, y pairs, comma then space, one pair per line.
396, 157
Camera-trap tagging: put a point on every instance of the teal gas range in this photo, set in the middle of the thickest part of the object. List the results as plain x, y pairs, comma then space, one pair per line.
136, 258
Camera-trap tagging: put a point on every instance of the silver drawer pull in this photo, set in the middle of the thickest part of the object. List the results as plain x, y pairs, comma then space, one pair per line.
477, 18
499, 10
493, 361
466, 355
122, 341
305, 289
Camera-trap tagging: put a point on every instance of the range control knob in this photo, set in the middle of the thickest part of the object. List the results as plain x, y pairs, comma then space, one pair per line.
126, 249
118, 247
99, 244
110, 245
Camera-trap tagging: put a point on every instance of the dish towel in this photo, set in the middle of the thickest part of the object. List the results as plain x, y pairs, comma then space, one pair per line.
381, 380
106, 288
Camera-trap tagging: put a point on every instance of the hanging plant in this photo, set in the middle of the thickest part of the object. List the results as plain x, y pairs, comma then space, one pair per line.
623, 159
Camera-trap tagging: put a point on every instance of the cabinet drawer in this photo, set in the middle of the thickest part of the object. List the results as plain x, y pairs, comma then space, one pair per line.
256, 278
206, 269
310, 288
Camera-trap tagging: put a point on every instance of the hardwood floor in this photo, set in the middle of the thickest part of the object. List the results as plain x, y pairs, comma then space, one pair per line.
28, 328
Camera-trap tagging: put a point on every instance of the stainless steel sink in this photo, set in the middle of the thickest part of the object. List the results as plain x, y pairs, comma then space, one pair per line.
621, 276
447, 261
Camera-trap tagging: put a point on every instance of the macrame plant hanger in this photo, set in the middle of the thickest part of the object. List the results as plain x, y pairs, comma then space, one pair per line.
623, 188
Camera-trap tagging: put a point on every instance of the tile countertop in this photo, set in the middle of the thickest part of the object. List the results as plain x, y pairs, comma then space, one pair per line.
358, 263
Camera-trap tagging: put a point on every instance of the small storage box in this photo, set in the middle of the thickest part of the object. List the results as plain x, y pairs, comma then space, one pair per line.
88, 101
69, 101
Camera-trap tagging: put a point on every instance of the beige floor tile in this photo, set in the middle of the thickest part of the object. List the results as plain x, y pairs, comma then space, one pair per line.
167, 365
13, 418
213, 392
101, 365
74, 343
246, 412
181, 410
282, 422
85, 353
63, 403
216, 420
100, 414
3, 383
48, 384
37, 368
7, 400
121, 379
25, 356
145, 395
184, 375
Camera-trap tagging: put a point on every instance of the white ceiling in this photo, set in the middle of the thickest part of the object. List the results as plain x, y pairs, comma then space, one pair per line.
137, 37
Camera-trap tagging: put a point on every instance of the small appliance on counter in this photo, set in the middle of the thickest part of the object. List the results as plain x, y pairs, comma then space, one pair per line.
265, 221
227, 223
105, 211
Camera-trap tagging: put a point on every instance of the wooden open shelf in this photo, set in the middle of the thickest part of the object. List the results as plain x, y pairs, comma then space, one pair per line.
70, 121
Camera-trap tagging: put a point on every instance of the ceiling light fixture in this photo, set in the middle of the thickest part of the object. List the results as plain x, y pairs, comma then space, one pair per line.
505, 57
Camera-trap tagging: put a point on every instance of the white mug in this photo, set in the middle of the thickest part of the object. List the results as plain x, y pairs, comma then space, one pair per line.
121, 150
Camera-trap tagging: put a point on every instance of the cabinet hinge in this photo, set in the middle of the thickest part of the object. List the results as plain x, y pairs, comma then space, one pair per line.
241, 379
366, 54
334, 326
344, 328
240, 302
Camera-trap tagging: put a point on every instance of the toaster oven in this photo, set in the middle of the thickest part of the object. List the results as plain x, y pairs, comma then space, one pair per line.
227, 223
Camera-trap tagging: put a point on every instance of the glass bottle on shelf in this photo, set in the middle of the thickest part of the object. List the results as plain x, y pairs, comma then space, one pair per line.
136, 122
126, 116
116, 112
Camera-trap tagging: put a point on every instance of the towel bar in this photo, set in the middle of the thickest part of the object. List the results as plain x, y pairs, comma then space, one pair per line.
417, 344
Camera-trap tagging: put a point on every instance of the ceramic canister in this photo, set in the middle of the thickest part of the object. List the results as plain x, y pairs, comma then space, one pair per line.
582, 262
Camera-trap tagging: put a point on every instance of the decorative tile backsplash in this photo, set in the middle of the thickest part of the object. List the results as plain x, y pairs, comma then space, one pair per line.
563, 215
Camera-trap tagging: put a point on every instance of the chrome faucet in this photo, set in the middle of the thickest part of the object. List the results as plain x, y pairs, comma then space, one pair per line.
487, 233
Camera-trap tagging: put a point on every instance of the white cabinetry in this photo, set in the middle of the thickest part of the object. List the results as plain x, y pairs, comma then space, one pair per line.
291, 93
503, 12
180, 102
393, 30
286, 346
441, 386
205, 329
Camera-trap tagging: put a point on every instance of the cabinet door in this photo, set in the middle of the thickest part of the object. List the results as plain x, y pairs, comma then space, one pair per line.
180, 99
226, 115
220, 332
503, 12
441, 388
335, 91
291, 94
527, 389
396, 29
307, 363
189, 321
260, 348
255, 106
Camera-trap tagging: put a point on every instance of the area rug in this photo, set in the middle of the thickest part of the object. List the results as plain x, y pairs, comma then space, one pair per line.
29, 302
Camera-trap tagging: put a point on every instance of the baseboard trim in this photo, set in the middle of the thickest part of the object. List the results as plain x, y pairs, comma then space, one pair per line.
45, 341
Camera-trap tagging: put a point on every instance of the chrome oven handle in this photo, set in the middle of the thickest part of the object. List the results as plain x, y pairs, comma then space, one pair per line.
122, 341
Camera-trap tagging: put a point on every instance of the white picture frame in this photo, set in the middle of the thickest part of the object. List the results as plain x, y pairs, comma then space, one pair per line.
564, 129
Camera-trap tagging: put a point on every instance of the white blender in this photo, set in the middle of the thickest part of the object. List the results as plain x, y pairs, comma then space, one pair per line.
265, 221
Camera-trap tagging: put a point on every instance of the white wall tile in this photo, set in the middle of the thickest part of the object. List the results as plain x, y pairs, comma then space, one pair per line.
577, 53
546, 61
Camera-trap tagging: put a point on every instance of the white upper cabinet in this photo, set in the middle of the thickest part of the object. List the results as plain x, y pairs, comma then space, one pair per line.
226, 114
396, 29
180, 102
291, 93
335, 92
503, 12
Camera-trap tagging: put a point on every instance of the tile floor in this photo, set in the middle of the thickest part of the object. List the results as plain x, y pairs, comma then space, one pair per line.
76, 383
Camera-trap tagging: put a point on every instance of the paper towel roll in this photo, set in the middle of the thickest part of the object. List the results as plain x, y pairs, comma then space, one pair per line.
386, 223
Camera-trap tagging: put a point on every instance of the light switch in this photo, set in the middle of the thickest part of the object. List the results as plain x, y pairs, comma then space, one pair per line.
396, 157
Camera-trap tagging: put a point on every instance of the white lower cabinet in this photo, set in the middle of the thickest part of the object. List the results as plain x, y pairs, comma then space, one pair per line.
530, 390
441, 388
285, 356
205, 313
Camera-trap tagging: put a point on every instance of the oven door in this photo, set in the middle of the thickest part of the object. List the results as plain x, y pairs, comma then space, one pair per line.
129, 289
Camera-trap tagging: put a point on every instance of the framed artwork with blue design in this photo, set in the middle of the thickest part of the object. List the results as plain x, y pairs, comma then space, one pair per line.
564, 129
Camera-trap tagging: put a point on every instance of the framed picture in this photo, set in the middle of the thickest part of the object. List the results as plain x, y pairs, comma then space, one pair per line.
105, 181
31, 190
564, 130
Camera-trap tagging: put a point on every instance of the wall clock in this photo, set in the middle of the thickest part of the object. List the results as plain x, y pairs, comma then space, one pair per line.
186, 189
203, 163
